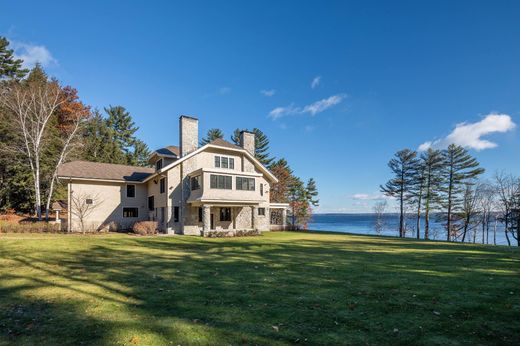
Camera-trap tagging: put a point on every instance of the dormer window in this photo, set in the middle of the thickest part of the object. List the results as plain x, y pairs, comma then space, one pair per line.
158, 164
224, 162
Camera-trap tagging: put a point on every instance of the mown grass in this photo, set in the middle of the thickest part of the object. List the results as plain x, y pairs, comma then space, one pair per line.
280, 288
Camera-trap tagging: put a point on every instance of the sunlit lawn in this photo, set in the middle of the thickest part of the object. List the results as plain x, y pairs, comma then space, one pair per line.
280, 288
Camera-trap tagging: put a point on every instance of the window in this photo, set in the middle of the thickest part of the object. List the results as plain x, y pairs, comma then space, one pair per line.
200, 214
220, 182
175, 214
225, 214
89, 201
245, 184
162, 185
261, 211
224, 162
130, 191
130, 212
151, 204
158, 164
195, 182
261, 189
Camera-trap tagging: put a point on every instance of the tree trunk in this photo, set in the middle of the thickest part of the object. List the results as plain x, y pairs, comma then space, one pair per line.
419, 218
495, 232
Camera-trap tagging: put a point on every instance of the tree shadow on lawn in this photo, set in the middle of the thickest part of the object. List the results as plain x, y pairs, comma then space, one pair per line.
259, 291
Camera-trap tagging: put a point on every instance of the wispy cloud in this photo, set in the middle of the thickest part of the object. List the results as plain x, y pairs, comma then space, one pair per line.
315, 82
268, 93
32, 54
369, 197
469, 135
312, 109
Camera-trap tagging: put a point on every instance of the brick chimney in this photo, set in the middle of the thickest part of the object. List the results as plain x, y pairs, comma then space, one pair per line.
189, 134
247, 141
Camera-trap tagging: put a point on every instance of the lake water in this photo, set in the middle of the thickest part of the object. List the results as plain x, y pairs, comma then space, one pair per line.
364, 224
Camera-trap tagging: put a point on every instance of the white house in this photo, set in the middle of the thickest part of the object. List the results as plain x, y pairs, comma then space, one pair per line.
190, 189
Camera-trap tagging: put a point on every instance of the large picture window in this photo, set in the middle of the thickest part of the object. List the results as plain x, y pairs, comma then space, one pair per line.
225, 214
131, 212
243, 183
220, 182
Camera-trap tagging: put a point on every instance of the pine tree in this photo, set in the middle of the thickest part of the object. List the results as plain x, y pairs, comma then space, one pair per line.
10, 67
402, 166
99, 144
311, 192
124, 128
459, 169
261, 145
432, 161
417, 192
140, 154
211, 136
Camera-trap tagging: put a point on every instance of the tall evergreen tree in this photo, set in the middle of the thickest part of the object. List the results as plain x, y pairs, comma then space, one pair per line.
211, 136
432, 161
311, 192
459, 169
417, 191
123, 128
261, 145
399, 187
99, 144
10, 67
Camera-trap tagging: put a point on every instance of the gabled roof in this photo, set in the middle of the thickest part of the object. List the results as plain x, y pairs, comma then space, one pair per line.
223, 143
103, 171
170, 150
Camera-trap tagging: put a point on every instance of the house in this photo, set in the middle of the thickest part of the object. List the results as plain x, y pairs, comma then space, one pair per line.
189, 189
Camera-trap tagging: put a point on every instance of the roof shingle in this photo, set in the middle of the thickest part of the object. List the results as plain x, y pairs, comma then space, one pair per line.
103, 171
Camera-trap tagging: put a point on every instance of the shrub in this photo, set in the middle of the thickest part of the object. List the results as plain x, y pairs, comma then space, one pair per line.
247, 233
30, 227
238, 233
145, 227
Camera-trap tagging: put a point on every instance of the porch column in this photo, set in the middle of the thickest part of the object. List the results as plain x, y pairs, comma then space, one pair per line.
206, 218
284, 218
234, 217
254, 217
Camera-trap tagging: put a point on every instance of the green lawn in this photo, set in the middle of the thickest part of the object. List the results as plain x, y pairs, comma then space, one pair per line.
280, 288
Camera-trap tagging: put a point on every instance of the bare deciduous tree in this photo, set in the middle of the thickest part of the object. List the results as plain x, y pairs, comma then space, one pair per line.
507, 189
470, 209
379, 211
487, 204
32, 105
82, 206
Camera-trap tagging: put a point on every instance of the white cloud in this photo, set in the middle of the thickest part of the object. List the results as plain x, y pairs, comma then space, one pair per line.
315, 82
369, 197
32, 54
268, 93
312, 109
469, 135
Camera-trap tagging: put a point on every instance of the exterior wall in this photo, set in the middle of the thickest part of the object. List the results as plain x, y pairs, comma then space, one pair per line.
107, 209
160, 201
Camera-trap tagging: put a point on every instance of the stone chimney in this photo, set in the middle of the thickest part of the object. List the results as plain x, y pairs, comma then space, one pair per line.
189, 134
247, 141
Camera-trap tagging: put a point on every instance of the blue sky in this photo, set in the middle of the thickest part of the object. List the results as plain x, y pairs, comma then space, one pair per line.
337, 86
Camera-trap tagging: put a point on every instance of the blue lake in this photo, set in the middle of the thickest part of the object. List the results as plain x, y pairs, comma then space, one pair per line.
364, 224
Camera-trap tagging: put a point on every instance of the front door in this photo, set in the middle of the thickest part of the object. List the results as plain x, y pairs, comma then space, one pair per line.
212, 222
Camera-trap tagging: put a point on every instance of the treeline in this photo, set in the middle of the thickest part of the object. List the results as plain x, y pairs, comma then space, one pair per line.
447, 185
290, 188
43, 124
